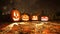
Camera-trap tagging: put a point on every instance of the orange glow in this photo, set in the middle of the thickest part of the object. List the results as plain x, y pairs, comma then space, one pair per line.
34, 17
25, 17
26, 29
15, 28
44, 18
15, 15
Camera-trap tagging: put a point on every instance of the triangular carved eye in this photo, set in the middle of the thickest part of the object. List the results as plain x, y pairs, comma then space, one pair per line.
16, 14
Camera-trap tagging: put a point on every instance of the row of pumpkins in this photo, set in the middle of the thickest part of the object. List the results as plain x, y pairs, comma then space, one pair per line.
15, 14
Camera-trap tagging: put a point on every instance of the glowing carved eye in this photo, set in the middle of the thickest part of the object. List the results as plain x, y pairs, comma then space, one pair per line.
46, 17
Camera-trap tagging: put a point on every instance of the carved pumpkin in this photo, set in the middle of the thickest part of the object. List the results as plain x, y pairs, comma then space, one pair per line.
25, 17
15, 14
34, 17
44, 18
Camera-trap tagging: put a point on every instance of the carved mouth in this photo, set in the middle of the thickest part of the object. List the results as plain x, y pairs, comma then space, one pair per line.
15, 19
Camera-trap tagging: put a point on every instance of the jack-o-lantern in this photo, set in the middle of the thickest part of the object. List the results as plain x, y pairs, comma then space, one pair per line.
15, 14
25, 17
34, 17
44, 18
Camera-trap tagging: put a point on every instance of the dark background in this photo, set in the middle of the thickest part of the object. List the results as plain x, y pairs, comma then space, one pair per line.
50, 8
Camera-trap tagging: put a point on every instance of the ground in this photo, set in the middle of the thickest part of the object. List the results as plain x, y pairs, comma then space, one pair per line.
34, 27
